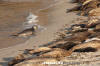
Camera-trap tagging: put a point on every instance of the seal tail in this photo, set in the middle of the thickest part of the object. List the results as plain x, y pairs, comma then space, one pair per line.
15, 35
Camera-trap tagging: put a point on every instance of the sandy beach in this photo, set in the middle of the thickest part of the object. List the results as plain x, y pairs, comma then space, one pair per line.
13, 16
57, 17
53, 18
71, 35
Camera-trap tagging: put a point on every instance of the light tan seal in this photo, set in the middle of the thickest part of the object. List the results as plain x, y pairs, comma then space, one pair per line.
27, 32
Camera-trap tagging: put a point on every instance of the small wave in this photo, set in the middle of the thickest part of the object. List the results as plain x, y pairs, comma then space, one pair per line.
32, 18
31, 21
41, 28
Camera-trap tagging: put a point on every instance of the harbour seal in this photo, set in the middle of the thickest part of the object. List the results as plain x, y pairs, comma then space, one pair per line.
27, 32
79, 1
85, 7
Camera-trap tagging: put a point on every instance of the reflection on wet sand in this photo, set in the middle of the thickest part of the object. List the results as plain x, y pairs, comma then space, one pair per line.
13, 15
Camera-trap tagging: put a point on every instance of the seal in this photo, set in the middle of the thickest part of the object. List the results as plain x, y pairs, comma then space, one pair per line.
85, 7
79, 1
27, 32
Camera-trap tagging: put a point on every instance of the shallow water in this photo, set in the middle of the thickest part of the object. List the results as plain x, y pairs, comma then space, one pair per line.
13, 15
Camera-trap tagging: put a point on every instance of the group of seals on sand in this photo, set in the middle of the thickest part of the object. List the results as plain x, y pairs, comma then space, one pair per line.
79, 37
85, 6
79, 41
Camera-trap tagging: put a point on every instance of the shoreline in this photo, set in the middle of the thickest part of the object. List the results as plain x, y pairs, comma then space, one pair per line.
42, 21
69, 38
13, 23
57, 17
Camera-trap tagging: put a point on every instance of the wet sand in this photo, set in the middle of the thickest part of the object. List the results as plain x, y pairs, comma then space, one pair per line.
13, 15
56, 17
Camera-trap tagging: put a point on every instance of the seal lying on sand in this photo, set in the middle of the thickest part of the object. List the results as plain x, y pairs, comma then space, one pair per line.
84, 41
27, 32
94, 12
57, 53
79, 1
86, 7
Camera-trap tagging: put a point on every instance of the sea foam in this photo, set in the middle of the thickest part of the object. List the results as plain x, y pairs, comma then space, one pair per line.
32, 20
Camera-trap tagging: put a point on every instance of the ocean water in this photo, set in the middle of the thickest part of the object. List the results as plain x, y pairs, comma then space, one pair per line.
17, 15
19, 0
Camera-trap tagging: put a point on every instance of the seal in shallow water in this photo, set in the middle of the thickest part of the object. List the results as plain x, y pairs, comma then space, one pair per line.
27, 32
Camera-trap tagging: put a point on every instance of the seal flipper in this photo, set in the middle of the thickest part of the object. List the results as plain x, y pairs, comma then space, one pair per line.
14, 35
